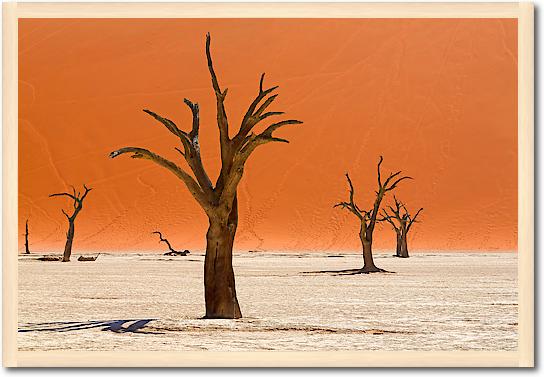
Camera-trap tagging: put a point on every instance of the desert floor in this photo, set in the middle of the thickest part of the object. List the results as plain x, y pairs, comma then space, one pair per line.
150, 302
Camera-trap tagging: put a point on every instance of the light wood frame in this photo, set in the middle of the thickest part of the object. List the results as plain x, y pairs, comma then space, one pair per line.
523, 357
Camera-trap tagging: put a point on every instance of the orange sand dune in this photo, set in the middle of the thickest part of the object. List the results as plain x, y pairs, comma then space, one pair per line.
437, 98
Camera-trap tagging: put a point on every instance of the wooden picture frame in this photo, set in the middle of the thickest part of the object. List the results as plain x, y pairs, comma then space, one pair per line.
523, 357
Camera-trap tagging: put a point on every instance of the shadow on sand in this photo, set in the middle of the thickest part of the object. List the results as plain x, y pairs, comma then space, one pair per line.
353, 271
118, 326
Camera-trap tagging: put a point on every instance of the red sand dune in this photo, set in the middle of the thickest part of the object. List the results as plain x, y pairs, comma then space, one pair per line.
437, 98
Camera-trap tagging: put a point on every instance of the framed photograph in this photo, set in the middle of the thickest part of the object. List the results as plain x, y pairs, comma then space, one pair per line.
271, 185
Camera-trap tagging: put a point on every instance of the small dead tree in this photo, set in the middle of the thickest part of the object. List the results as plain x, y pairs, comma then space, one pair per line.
368, 219
172, 250
27, 250
401, 221
218, 201
78, 198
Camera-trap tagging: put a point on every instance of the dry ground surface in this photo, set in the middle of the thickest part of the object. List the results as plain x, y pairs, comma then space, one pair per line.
434, 301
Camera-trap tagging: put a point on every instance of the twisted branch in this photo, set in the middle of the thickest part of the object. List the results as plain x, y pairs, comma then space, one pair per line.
162, 239
192, 185
351, 206
77, 200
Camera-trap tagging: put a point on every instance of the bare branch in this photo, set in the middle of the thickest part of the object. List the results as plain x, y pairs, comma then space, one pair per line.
180, 152
192, 150
222, 120
413, 220
382, 190
387, 185
391, 176
261, 81
379, 173
342, 205
191, 184
77, 201
65, 214
415, 217
273, 127
251, 143
271, 113
351, 190
87, 190
263, 107
396, 210
171, 126
351, 206
162, 239
215, 83
277, 139
190, 143
387, 217
64, 194
252, 117
196, 117
394, 185
345, 205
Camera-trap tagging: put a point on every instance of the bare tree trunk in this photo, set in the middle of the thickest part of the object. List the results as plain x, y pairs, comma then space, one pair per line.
399, 242
403, 247
219, 284
27, 250
368, 260
69, 240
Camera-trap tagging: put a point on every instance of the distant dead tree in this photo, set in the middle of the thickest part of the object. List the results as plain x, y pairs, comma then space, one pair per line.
172, 250
27, 250
83, 258
401, 221
78, 205
218, 201
368, 219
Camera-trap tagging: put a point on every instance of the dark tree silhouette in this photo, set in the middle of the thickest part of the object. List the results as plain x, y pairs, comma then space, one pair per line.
218, 201
172, 250
27, 250
368, 219
83, 258
401, 221
78, 198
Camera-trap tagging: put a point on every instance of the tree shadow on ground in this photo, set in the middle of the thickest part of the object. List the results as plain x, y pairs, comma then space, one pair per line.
118, 326
352, 271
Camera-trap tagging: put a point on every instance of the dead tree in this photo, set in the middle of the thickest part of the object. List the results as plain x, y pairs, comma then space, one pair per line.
172, 250
83, 258
27, 250
401, 221
368, 219
218, 201
78, 198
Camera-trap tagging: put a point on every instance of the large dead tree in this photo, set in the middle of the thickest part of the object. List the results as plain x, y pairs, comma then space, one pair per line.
368, 219
77, 198
218, 201
27, 250
401, 221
